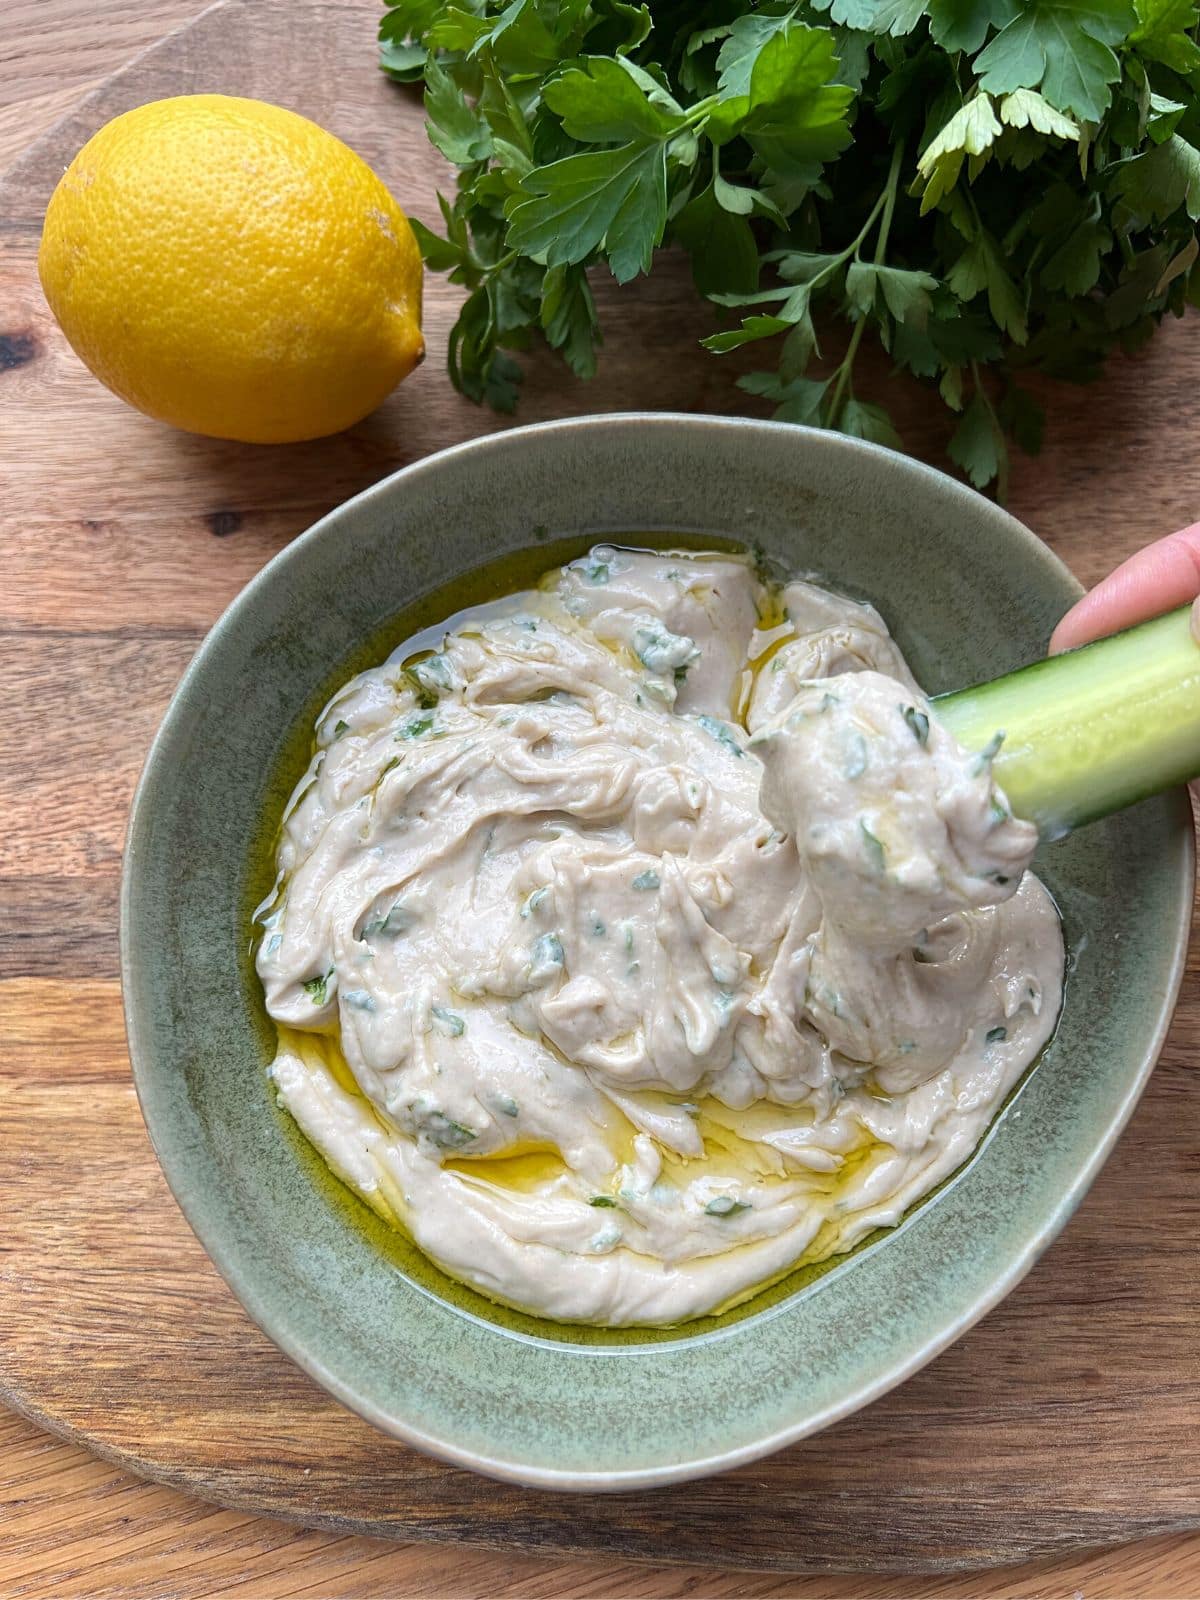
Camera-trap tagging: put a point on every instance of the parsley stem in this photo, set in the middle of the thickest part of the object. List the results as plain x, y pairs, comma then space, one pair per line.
839, 260
855, 245
889, 206
835, 262
851, 249
842, 390
699, 112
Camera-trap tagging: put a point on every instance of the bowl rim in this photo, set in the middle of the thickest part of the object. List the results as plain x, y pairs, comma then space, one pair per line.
191, 1195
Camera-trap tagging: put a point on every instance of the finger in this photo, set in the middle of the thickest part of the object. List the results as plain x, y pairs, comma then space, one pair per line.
1163, 575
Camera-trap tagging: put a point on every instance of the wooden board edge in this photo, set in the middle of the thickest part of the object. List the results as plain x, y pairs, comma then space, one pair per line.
21, 179
408, 1530
17, 173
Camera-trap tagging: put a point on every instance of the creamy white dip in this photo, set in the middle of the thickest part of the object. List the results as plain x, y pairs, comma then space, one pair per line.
649, 938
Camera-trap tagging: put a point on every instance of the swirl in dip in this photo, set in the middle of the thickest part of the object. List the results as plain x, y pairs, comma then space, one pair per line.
649, 938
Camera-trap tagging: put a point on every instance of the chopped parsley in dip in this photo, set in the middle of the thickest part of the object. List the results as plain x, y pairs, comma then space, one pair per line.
658, 899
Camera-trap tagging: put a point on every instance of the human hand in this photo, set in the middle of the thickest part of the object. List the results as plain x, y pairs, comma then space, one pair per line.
1158, 578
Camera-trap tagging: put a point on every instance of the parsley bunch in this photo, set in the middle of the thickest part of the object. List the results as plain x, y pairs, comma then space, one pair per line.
999, 185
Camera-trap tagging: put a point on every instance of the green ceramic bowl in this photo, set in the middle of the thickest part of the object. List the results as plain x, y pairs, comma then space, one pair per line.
969, 593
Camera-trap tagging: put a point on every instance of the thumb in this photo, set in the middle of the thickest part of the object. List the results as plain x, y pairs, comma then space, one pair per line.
1156, 579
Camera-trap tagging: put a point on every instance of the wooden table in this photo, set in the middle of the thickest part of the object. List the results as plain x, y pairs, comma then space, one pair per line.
73, 1525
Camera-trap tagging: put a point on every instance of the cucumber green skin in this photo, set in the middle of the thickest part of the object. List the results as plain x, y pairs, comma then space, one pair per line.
1091, 731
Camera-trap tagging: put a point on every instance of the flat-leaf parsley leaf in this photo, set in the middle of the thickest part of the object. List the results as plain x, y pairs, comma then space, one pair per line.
983, 187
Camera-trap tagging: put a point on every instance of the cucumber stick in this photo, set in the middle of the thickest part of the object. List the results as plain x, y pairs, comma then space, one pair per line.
1091, 731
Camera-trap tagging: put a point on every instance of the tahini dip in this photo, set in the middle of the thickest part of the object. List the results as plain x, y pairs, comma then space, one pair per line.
650, 937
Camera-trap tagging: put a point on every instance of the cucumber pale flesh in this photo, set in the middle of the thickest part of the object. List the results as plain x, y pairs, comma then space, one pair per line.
1091, 731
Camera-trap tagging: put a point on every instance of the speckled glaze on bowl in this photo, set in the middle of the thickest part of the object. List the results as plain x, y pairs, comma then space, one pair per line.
969, 593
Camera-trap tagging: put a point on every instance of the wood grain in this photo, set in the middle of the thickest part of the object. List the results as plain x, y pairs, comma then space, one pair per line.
81, 1527
52, 52
1068, 1418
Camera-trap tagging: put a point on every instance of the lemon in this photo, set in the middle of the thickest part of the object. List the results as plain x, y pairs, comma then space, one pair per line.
231, 268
